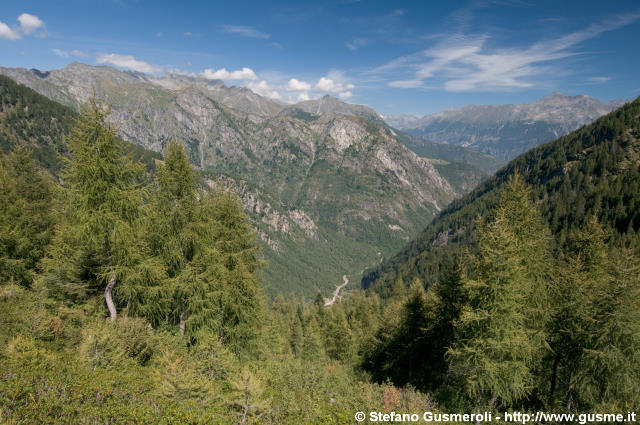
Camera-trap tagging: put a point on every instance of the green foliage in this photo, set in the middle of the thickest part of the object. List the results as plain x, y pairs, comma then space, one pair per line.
520, 328
476, 161
102, 201
499, 334
27, 117
27, 215
125, 372
207, 258
595, 329
593, 170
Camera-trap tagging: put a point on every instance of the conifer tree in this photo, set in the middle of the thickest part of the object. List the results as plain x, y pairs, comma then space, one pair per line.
500, 333
236, 250
207, 252
26, 215
102, 204
337, 334
595, 329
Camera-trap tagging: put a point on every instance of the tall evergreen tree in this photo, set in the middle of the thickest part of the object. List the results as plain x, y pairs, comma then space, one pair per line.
26, 215
102, 205
500, 333
595, 330
207, 252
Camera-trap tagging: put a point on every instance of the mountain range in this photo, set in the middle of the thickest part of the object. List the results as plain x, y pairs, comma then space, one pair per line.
593, 171
505, 131
329, 187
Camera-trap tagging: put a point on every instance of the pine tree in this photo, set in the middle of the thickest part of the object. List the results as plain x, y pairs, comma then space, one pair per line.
500, 337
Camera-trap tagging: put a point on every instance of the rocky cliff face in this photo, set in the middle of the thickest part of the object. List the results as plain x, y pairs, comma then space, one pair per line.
506, 131
326, 192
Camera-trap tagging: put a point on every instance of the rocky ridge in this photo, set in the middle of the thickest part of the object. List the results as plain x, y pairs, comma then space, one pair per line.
325, 192
506, 131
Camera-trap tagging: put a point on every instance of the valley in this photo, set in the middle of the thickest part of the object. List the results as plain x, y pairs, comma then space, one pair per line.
342, 212
325, 192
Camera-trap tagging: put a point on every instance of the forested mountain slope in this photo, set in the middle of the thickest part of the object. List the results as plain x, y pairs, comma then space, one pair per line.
592, 171
327, 194
43, 124
506, 131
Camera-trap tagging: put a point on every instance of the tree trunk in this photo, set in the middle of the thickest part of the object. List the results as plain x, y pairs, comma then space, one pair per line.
554, 377
182, 321
245, 407
113, 313
108, 298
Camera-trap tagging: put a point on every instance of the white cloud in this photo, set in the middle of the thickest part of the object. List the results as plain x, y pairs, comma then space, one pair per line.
264, 89
245, 31
60, 53
7, 33
329, 85
222, 74
406, 84
29, 23
295, 85
598, 79
285, 88
127, 61
65, 54
303, 96
462, 62
356, 43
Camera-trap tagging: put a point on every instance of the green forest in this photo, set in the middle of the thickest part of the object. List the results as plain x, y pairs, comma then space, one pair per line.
131, 290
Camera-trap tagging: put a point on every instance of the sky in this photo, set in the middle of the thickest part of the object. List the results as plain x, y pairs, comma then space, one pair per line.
397, 57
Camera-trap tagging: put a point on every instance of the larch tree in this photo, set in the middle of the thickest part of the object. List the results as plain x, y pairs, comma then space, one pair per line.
500, 335
595, 329
208, 254
102, 205
27, 215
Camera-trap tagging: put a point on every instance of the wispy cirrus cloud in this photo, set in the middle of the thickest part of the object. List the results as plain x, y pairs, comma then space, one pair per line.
245, 31
463, 62
66, 54
598, 79
356, 43
128, 62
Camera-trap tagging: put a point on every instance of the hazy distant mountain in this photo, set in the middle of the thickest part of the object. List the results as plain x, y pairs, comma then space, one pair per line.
593, 171
506, 131
327, 193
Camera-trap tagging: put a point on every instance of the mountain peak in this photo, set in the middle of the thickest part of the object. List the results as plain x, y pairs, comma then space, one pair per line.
557, 96
328, 104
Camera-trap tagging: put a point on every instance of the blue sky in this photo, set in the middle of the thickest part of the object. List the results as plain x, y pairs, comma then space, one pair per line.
397, 57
